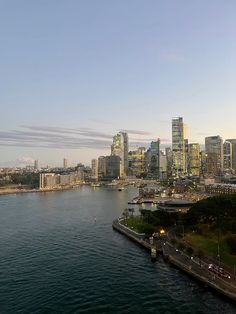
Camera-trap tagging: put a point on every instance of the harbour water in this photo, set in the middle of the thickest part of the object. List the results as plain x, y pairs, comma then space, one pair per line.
59, 254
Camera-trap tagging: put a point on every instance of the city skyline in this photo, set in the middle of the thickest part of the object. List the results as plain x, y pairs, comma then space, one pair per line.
73, 75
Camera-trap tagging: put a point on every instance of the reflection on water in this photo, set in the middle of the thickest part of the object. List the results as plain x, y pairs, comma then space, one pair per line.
59, 254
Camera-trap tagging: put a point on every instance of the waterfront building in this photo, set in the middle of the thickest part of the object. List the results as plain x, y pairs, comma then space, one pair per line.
65, 163
136, 162
233, 142
94, 169
87, 174
214, 151
178, 147
48, 180
228, 156
66, 179
120, 148
101, 167
194, 159
80, 172
113, 167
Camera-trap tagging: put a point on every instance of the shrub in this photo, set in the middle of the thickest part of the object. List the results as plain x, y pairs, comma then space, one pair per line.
231, 241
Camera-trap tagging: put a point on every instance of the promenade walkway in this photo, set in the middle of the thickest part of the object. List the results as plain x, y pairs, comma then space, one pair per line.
192, 266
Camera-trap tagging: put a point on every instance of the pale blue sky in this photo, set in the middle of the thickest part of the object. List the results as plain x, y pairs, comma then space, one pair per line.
89, 68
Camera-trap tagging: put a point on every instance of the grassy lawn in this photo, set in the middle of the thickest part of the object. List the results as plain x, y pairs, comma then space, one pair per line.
137, 224
209, 245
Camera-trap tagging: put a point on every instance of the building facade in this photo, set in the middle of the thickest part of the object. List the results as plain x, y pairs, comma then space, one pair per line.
178, 147
136, 162
94, 169
214, 154
120, 148
194, 159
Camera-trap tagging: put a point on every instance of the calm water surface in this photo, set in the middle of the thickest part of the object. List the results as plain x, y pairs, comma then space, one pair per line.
59, 254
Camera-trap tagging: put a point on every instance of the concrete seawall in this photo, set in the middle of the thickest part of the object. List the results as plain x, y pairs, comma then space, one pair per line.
223, 287
132, 235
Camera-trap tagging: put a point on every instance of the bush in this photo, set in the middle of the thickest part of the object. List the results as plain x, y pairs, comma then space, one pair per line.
231, 241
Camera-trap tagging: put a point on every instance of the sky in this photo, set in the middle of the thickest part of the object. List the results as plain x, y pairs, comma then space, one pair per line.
74, 73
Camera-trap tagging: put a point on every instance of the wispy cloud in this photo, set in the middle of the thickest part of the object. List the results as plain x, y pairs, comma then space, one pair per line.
136, 132
55, 137
67, 138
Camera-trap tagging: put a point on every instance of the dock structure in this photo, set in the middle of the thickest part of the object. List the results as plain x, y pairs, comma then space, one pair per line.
153, 253
192, 266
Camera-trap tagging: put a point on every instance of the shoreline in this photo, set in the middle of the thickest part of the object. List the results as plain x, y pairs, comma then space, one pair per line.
21, 191
177, 259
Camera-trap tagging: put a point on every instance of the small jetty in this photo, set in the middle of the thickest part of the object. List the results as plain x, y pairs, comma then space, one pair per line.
153, 254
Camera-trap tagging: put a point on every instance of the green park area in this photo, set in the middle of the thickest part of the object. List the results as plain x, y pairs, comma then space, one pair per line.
138, 224
209, 227
208, 245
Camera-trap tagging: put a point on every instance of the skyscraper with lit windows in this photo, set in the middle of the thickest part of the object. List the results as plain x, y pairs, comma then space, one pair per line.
178, 147
120, 148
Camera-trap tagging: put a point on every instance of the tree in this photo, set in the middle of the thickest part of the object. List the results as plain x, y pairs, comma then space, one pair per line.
126, 213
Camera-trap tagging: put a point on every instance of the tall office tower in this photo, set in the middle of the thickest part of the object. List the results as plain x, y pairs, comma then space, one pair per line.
136, 161
186, 153
228, 156
126, 151
203, 162
194, 159
154, 165
113, 165
163, 166
94, 169
120, 148
169, 161
147, 159
36, 165
178, 146
214, 150
233, 142
101, 167
65, 163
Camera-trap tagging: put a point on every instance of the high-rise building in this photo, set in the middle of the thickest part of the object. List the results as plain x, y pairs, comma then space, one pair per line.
136, 161
36, 165
168, 153
113, 165
214, 151
233, 142
163, 166
94, 169
101, 167
178, 146
120, 148
65, 163
203, 162
154, 165
228, 156
194, 159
